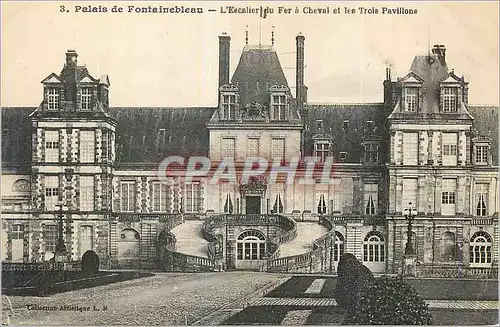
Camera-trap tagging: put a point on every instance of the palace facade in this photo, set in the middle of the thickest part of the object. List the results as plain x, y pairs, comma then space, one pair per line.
78, 164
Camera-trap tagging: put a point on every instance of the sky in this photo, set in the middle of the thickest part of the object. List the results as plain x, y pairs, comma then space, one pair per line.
170, 60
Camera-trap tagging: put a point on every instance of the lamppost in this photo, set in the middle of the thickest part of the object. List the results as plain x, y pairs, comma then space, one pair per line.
60, 251
410, 213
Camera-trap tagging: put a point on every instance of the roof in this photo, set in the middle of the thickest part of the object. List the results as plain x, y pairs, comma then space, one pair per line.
486, 124
259, 68
16, 135
345, 137
80, 72
151, 134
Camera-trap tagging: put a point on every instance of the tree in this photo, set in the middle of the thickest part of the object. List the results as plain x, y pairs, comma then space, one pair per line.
353, 281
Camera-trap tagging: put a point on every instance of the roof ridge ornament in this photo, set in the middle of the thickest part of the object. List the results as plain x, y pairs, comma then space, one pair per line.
246, 35
272, 36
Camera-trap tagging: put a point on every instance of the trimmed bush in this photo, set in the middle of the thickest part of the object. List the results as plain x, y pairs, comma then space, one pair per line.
390, 301
353, 281
90, 262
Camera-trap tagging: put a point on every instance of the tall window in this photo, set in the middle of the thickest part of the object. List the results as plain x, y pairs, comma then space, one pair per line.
51, 192
450, 99
448, 247
410, 148
374, 247
227, 148
50, 237
250, 245
53, 98
410, 192
338, 248
17, 232
253, 147
86, 98
450, 149
192, 198
51, 146
371, 152
370, 198
480, 250
86, 238
228, 106
448, 196
277, 149
127, 196
481, 154
481, 199
322, 150
161, 197
86, 193
87, 146
279, 107
411, 98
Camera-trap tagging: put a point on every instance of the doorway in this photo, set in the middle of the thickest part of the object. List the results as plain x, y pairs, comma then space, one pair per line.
252, 205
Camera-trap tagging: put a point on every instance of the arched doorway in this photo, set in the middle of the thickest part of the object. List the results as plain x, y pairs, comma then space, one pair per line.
480, 250
374, 251
250, 249
128, 247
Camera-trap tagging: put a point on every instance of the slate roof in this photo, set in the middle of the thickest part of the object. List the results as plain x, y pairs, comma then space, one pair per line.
139, 139
486, 124
344, 139
257, 70
16, 135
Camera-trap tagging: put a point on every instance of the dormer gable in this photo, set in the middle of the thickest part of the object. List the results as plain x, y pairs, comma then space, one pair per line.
86, 78
279, 102
412, 78
52, 79
228, 102
411, 97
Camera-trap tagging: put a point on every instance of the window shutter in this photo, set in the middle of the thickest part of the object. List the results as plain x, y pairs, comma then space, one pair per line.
441, 98
403, 99
420, 102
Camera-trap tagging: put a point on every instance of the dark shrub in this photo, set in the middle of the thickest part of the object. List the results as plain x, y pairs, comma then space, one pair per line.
90, 262
353, 280
390, 301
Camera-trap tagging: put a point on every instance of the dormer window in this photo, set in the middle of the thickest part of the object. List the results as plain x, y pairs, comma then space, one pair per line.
411, 99
450, 95
228, 106
53, 98
371, 152
322, 150
278, 103
481, 154
86, 98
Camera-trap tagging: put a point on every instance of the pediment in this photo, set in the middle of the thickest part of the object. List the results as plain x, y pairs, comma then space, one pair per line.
279, 88
52, 78
412, 78
451, 78
86, 78
229, 88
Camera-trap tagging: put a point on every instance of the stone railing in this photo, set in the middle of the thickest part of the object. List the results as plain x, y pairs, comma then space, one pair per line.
365, 220
312, 261
447, 271
176, 261
482, 221
41, 266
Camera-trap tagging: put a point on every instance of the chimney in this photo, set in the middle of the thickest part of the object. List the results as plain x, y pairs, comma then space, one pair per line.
299, 81
224, 51
440, 51
70, 76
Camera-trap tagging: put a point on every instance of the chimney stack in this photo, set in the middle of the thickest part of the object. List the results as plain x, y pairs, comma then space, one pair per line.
440, 51
299, 81
224, 52
70, 76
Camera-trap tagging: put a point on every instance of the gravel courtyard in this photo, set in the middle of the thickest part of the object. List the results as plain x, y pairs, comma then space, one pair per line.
164, 299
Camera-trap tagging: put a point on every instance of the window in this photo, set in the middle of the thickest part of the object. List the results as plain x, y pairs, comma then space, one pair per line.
480, 250
481, 199
53, 99
448, 196
481, 154
86, 193
448, 247
374, 247
345, 125
226, 197
450, 149
86, 238
371, 152
279, 107
277, 194
370, 199
86, 98
228, 105
322, 150
227, 148
319, 125
253, 147
411, 99
127, 196
250, 245
17, 232
51, 192
51, 146
450, 99
87, 146
343, 156
161, 197
410, 192
338, 248
277, 149
50, 237
192, 197
410, 148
